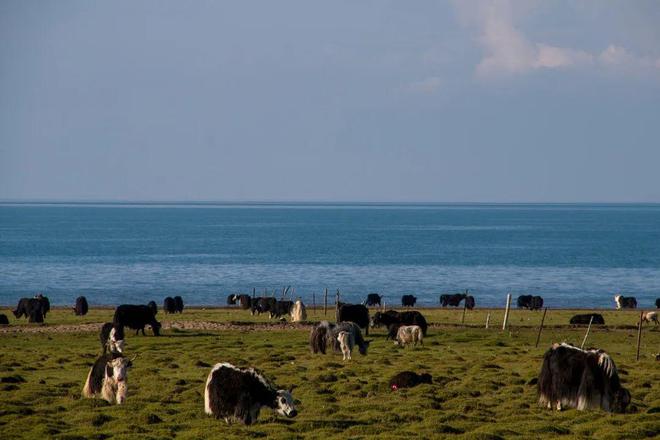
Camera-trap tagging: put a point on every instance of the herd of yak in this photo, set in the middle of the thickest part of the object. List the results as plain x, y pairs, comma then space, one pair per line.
569, 377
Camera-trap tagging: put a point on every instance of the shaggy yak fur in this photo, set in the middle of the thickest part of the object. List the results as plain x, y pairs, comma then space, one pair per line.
625, 302
409, 379
409, 334
373, 299
178, 304
408, 300
107, 377
452, 299
393, 319
239, 393
31, 308
582, 379
356, 313
81, 307
584, 319
112, 338
136, 317
154, 308
168, 305
299, 312
325, 334
529, 302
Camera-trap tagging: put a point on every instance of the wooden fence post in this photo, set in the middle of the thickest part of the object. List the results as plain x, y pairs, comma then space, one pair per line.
464, 307
488, 320
639, 334
538, 337
337, 306
325, 303
584, 341
506, 312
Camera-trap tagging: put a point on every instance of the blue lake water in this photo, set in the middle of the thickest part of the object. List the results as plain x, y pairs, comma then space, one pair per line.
572, 255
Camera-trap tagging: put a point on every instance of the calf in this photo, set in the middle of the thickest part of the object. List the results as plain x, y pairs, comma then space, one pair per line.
81, 307
409, 379
409, 334
108, 378
136, 317
3, 319
31, 308
408, 300
625, 302
346, 344
240, 393
298, 312
451, 299
154, 308
168, 305
178, 304
356, 313
112, 338
582, 379
650, 317
585, 318
394, 318
373, 299
530, 302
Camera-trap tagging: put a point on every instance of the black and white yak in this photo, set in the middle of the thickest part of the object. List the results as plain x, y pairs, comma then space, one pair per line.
325, 335
31, 308
244, 301
81, 308
356, 313
409, 379
112, 338
240, 393
625, 302
453, 300
373, 299
264, 304
231, 299
136, 317
582, 379
585, 318
408, 300
154, 308
393, 319
529, 302
178, 304
168, 305
107, 377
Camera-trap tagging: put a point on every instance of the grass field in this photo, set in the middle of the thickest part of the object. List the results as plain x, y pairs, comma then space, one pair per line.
481, 377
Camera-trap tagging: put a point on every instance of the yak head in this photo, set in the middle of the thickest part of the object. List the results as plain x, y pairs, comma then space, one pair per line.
364, 347
284, 404
117, 368
621, 400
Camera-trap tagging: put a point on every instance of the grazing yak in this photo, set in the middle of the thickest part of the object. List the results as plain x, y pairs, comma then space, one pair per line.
3, 319
469, 302
264, 304
136, 317
650, 317
107, 377
112, 338
154, 308
373, 299
325, 334
31, 308
299, 312
408, 300
584, 319
81, 307
409, 379
240, 393
356, 313
625, 302
346, 344
582, 379
168, 305
393, 319
529, 302
452, 299
409, 334
178, 304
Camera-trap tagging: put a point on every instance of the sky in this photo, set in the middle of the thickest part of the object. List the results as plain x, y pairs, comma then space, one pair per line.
437, 101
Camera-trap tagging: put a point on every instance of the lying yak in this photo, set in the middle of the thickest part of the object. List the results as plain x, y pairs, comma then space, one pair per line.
582, 379
240, 393
409, 379
107, 377
585, 318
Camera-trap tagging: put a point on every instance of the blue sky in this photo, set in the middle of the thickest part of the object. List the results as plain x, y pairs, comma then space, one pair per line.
356, 101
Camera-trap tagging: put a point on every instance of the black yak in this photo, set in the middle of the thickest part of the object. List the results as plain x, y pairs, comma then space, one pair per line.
409, 379
81, 308
136, 317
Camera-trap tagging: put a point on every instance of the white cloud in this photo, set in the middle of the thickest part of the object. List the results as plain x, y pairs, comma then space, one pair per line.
427, 86
508, 51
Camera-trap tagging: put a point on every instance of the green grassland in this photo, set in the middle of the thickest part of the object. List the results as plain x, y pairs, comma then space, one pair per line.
481, 377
